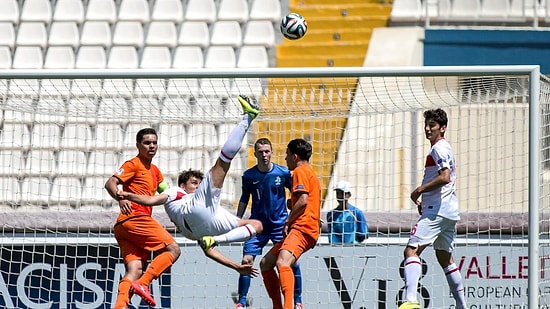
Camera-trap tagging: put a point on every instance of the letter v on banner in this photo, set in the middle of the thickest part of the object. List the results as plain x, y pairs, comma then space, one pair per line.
339, 283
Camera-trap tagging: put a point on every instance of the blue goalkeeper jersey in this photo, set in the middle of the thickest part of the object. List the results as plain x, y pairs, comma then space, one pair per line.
268, 195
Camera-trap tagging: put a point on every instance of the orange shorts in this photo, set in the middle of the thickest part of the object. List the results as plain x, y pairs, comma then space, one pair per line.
295, 242
137, 237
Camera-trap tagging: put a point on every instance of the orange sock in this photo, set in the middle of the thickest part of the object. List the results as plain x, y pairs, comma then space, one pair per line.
287, 285
123, 297
271, 283
158, 265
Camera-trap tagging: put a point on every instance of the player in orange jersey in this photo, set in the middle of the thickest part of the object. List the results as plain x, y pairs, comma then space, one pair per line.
301, 229
137, 233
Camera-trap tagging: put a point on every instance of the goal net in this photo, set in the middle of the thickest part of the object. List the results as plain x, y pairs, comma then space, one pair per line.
64, 133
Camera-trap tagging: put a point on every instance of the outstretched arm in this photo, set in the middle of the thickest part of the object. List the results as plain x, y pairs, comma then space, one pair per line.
145, 200
217, 256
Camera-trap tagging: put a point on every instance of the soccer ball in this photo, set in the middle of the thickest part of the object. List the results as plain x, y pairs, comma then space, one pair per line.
293, 26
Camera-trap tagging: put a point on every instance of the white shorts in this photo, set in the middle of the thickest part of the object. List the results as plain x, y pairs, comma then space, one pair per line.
205, 216
433, 229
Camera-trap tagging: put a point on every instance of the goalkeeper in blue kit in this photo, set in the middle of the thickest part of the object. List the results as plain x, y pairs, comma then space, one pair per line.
265, 183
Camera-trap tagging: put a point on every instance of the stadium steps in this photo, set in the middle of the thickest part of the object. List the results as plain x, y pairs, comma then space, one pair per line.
338, 35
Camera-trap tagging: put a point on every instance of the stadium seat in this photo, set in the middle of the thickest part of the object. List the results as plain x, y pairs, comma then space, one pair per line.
168, 10
12, 162
266, 9
28, 57
226, 32
123, 57
194, 33
525, 9
59, 57
35, 191
196, 159
40, 162
108, 136
134, 10
162, 33
101, 10
118, 88
78, 136
5, 63
71, 163
96, 33
37, 11
253, 57
467, 10
32, 34
94, 192
128, 33
220, 57
406, 10
17, 134
50, 109
186, 57
202, 134
233, 10
167, 158
64, 34
7, 34
103, 163
65, 191
10, 11
172, 134
46, 135
494, 9
438, 10
69, 10
158, 57
259, 32
91, 57
10, 190
201, 10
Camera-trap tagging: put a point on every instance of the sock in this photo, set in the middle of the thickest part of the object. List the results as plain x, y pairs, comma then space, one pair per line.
239, 234
235, 140
123, 296
272, 286
158, 265
286, 276
454, 278
297, 283
412, 271
244, 286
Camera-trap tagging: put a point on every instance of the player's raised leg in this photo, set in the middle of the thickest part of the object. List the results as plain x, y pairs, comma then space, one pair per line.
234, 141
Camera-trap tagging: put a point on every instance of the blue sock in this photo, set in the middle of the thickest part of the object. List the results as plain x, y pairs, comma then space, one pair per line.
244, 285
297, 283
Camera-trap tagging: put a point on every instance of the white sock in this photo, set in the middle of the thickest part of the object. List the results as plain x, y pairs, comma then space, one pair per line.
241, 233
454, 278
235, 140
412, 272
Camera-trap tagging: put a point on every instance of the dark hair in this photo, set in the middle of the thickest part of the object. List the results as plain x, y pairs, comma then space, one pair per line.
145, 131
300, 147
437, 115
186, 175
262, 141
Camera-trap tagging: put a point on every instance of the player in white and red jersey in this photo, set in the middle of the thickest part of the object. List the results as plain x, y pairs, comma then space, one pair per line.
438, 208
196, 210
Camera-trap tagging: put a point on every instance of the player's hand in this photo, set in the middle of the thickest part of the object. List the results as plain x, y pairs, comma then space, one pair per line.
125, 207
248, 269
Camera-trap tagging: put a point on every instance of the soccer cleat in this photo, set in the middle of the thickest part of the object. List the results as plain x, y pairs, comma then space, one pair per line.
249, 107
207, 242
144, 293
409, 305
239, 305
298, 306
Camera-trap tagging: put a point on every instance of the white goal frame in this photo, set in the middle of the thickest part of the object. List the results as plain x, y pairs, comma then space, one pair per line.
533, 71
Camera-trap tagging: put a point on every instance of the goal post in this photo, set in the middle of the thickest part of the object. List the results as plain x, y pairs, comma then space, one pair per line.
64, 132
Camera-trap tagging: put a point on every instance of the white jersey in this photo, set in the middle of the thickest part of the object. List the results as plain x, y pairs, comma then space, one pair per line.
443, 201
199, 214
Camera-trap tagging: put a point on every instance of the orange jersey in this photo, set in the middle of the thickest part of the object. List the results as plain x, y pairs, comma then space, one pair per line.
139, 179
304, 180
